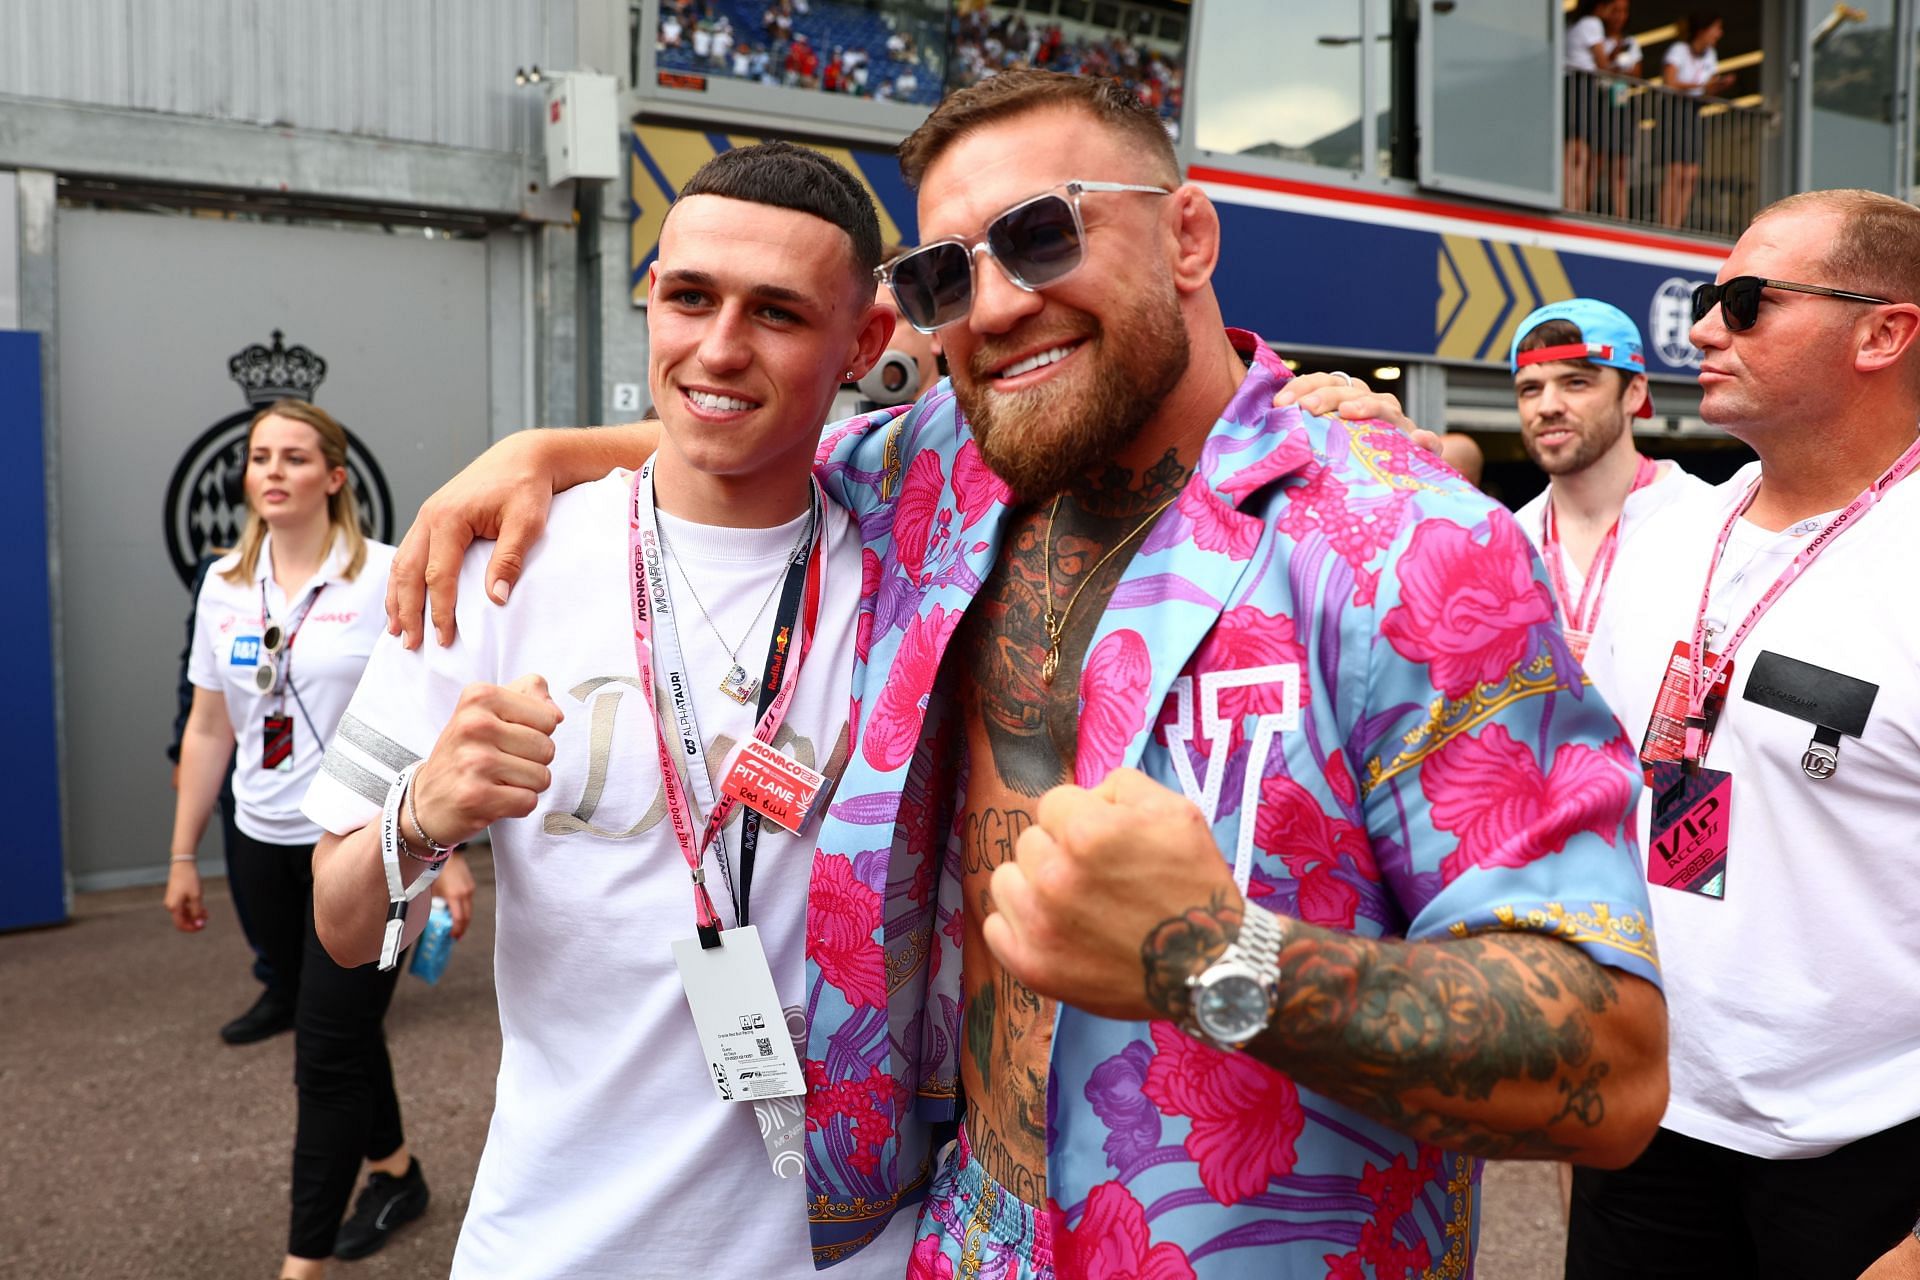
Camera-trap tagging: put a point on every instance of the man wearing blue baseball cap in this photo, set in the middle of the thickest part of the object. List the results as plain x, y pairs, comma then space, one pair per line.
1579, 374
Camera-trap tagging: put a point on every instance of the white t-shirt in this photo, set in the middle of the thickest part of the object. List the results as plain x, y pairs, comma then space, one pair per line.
609, 1154
1589, 31
1693, 72
1794, 1002
330, 651
1670, 484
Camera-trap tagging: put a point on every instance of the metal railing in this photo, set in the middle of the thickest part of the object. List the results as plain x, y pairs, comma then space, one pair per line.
1637, 151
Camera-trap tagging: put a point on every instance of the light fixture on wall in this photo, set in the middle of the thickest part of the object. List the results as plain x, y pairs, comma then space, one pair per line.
527, 75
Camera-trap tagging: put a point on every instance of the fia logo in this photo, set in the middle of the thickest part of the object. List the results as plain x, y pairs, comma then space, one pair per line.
1669, 322
246, 652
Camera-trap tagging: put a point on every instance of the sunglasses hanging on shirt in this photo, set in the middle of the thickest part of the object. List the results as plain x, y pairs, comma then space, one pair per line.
1739, 299
276, 642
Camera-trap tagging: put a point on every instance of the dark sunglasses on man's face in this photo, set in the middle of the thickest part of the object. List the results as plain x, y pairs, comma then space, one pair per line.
1036, 242
1739, 299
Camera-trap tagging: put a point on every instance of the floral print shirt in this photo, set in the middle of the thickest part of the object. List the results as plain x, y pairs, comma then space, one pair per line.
1346, 657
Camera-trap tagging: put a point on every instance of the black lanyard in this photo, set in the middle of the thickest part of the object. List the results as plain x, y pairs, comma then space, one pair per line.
776, 671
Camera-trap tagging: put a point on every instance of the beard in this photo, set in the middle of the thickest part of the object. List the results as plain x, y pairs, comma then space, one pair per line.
1041, 440
1590, 445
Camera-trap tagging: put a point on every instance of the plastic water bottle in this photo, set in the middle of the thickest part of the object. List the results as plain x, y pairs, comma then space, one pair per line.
435, 947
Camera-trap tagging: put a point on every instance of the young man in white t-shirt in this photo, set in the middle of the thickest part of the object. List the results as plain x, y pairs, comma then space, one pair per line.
1579, 378
1779, 833
610, 1152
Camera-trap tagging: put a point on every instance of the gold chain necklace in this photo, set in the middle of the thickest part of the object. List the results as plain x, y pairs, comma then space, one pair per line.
1056, 623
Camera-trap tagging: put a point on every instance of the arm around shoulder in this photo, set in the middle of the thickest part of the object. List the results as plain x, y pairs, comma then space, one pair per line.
504, 495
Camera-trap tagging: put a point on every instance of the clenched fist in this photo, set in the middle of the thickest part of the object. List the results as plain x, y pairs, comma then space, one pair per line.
490, 762
1096, 878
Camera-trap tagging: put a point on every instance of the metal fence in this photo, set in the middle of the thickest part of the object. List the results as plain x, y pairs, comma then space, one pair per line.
1640, 152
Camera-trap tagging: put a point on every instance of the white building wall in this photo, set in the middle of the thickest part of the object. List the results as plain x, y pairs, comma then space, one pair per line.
435, 71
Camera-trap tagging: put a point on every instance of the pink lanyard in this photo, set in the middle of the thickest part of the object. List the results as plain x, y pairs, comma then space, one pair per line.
1585, 615
1697, 687
643, 547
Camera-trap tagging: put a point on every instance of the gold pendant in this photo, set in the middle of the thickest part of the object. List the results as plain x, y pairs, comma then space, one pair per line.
1051, 667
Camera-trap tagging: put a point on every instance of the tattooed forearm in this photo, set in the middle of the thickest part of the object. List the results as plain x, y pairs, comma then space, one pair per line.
1182, 946
1512, 1045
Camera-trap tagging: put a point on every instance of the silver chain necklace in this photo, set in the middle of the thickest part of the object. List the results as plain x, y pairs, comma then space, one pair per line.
737, 684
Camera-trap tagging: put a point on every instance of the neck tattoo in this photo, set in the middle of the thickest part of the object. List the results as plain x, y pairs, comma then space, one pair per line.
1056, 623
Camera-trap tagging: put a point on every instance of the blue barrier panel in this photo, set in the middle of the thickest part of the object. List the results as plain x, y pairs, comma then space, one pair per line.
32, 888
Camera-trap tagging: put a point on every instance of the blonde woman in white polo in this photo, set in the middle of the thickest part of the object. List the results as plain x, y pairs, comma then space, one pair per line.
283, 627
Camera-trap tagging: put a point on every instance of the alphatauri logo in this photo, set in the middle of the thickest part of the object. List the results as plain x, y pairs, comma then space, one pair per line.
206, 503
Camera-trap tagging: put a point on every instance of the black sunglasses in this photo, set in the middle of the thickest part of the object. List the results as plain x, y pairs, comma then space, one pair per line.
1036, 242
1739, 299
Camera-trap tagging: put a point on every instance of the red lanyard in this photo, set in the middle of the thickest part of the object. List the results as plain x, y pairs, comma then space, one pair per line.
649, 579
1697, 686
1584, 615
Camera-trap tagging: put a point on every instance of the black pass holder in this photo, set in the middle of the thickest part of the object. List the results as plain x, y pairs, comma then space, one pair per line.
1835, 704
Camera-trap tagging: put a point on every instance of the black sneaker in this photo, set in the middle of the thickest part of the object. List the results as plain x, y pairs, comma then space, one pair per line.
271, 1014
385, 1205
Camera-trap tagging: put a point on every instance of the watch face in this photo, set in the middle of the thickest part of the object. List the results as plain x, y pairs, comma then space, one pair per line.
1231, 1008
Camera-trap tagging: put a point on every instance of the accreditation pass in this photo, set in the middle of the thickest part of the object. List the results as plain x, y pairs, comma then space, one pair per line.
736, 1011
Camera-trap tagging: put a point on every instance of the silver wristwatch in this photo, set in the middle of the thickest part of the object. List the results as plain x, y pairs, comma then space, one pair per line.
1232, 999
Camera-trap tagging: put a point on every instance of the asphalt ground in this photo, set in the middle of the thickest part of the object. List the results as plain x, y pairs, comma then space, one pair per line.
133, 1143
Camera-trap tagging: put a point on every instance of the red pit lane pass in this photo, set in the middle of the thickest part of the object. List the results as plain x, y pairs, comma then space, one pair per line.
774, 784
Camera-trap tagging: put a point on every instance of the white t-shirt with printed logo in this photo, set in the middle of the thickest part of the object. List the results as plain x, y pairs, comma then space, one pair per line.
609, 1154
329, 652
1793, 1003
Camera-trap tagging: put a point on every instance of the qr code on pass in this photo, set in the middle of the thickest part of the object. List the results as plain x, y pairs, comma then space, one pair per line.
766, 1046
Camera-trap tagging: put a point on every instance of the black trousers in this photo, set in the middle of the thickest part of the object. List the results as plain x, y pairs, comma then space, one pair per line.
1690, 1209
237, 890
348, 1108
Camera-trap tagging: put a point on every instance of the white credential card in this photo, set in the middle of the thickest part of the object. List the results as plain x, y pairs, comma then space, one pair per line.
737, 1013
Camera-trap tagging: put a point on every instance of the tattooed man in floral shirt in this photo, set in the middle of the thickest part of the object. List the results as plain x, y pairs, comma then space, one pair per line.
1162, 689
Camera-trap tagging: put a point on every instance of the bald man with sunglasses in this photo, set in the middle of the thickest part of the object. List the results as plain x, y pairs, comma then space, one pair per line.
1760, 649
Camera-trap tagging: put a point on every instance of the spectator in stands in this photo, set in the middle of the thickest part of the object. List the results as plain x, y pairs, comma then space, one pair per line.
1692, 68
1598, 124
803, 64
670, 30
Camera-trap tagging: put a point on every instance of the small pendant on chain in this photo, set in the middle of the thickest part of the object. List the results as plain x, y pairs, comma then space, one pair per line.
1051, 667
738, 685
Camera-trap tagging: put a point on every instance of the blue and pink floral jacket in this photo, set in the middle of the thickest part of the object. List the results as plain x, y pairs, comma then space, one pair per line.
1344, 655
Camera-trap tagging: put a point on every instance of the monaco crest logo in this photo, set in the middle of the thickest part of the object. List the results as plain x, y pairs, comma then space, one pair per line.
206, 505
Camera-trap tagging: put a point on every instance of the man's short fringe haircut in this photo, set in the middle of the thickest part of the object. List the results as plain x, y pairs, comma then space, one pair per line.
790, 177
1014, 93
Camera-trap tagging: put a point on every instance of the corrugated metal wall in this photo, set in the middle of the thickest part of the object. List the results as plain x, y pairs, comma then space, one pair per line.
436, 71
